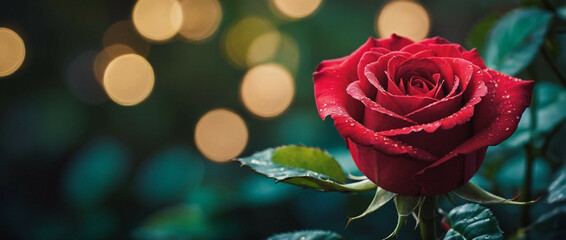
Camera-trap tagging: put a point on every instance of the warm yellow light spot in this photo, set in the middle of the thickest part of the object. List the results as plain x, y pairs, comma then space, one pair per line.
128, 79
12, 52
276, 47
157, 20
106, 56
296, 9
124, 33
238, 38
404, 18
221, 135
267, 90
263, 47
201, 19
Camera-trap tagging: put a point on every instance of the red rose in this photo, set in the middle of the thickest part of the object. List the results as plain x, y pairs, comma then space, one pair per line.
418, 117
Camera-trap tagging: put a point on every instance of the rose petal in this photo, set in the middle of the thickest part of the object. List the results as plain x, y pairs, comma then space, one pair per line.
474, 57
496, 118
349, 128
434, 40
394, 43
367, 58
444, 107
331, 96
376, 117
384, 170
330, 63
447, 50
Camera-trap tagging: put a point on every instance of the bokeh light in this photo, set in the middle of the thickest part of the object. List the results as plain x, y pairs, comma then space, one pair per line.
123, 33
13, 52
296, 9
221, 135
274, 46
404, 18
264, 47
106, 56
201, 19
157, 20
238, 38
267, 90
128, 79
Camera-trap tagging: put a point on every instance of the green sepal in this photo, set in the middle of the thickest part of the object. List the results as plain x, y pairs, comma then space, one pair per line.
405, 206
400, 221
303, 166
381, 198
474, 193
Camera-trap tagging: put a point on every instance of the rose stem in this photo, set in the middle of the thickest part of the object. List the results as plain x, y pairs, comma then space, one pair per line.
529, 159
427, 218
553, 65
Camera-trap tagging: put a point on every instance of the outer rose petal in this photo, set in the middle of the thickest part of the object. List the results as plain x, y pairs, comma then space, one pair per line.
392, 173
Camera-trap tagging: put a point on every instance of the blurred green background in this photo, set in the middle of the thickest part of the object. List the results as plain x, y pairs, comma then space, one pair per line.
76, 165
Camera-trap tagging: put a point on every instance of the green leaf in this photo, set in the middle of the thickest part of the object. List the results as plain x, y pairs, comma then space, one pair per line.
472, 221
474, 193
478, 36
307, 235
381, 198
515, 39
561, 13
557, 189
289, 165
405, 205
310, 159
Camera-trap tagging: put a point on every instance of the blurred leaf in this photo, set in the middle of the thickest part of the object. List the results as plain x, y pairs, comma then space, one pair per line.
511, 175
168, 175
561, 13
472, 221
557, 189
259, 191
478, 36
515, 39
95, 171
381, 198
299, 166
474, 193
307, 235
551, 225
180, 222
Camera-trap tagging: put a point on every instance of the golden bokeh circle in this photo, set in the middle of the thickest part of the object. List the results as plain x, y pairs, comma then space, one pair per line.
157, 20
12, 52
201, 19
128, 79
221, 135
296, 9
405, 18
239, 37
267, 90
